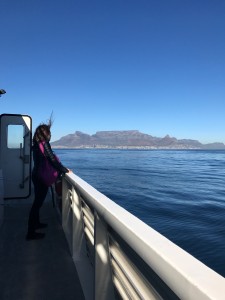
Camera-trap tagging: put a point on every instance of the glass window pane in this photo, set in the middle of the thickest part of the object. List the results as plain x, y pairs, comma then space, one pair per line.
15, 136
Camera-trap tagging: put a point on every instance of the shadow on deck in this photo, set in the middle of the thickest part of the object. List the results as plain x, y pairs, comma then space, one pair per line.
37, 269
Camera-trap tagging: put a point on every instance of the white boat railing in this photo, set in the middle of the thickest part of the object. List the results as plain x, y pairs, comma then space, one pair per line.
120, 257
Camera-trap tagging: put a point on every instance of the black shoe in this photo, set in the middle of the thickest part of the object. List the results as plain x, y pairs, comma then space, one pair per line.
35, 236
41, 225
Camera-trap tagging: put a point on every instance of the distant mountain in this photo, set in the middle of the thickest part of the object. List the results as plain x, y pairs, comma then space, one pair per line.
128, 139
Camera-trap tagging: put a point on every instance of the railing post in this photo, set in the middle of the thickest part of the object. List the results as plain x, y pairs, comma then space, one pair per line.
67, 216
79, 248
104, 289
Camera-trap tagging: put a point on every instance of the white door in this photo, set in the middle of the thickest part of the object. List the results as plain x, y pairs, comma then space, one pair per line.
15, 155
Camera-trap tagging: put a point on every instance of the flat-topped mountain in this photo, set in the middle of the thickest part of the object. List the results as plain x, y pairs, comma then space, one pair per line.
128, 139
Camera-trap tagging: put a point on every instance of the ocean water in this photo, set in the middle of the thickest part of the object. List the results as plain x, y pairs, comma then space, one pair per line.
181, 194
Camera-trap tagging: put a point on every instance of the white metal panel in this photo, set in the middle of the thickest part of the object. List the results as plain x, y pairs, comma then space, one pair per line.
103, 276
15, 161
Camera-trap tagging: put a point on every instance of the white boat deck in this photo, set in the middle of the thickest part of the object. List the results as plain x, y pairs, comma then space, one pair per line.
36, 269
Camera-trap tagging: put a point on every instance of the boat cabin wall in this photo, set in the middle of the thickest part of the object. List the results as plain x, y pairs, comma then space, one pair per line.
15, 155
1, 199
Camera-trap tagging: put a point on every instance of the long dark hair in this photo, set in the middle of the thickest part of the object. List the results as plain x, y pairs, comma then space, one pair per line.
43, 132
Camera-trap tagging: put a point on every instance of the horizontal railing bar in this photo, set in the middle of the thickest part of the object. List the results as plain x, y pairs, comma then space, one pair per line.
88, 215
124, 282
133, 275
120, 289
89, 235
89, 226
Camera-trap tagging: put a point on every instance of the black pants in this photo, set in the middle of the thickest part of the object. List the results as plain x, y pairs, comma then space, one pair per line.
40, 192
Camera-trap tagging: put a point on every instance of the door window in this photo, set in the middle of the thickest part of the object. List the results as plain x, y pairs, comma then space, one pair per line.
15, 135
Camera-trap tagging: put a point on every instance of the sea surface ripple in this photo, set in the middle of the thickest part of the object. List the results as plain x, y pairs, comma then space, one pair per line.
179, 193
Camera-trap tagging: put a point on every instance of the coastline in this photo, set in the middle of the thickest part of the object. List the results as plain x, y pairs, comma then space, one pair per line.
100, 147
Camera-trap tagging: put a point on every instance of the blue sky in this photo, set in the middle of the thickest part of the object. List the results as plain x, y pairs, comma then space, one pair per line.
154, 66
